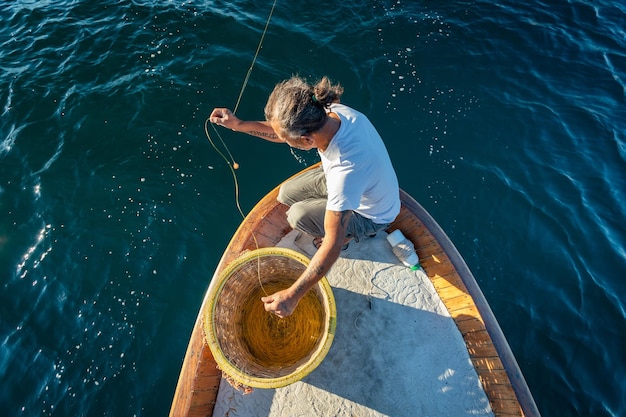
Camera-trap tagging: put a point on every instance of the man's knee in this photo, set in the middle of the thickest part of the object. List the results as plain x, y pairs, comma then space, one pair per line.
281, 195
296, 215
311, 184
286, 193
307, 216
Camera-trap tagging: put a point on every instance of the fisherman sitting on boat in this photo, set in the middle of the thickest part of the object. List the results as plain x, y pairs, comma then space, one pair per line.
354, 194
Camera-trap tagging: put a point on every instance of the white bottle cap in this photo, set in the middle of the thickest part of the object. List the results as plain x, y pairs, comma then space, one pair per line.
395, 237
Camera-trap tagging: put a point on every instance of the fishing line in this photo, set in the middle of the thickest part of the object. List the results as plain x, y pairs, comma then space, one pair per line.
258, 49
233, 166
231, 162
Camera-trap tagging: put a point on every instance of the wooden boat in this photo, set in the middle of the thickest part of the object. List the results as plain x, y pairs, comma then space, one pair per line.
490, 354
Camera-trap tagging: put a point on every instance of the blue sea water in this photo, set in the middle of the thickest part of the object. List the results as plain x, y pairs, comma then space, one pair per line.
505, 120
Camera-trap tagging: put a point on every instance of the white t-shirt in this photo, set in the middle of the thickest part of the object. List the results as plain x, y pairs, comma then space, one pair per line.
358, 171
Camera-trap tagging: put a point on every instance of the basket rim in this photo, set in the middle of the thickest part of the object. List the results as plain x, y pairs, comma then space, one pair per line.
210, 330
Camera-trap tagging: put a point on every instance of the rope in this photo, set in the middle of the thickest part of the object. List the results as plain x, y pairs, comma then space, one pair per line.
263, 346
233, 166
276, 343
258, 49
231, 163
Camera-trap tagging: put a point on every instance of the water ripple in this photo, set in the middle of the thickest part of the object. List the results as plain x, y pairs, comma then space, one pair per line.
506, 118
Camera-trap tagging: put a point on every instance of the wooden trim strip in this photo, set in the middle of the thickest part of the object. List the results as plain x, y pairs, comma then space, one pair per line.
476, 321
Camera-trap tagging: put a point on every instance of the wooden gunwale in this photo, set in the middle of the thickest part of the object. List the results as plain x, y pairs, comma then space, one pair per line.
498, 371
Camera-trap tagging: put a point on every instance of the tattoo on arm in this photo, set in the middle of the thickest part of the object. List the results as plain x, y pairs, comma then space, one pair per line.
310, 277
299, 288
263, 134
320, 265
319, 269
345, 216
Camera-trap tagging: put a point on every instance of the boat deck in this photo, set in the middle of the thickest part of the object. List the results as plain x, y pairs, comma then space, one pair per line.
488, 350
396, 349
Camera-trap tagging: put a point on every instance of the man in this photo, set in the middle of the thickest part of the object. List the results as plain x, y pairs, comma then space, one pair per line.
354, 194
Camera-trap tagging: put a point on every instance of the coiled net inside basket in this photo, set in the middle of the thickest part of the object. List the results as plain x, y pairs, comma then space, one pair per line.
256, 342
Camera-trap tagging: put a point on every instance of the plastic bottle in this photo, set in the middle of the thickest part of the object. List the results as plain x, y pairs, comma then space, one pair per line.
403, 248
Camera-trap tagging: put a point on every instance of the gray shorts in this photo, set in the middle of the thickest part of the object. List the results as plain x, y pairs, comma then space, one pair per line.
306, 195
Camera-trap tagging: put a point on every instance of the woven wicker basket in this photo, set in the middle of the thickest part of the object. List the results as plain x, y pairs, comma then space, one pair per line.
255, 348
